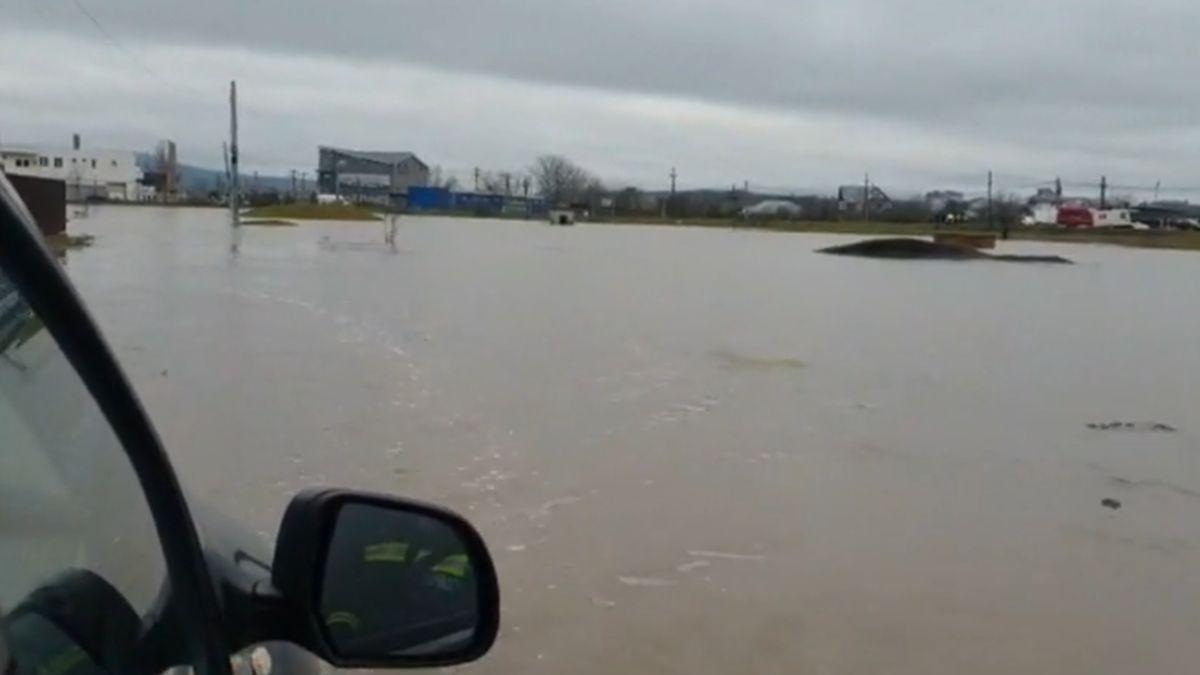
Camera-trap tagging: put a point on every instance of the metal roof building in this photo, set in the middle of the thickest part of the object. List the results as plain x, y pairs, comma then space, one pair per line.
381, 177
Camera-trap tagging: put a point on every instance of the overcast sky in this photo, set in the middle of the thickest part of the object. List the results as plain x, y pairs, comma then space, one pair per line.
792, 94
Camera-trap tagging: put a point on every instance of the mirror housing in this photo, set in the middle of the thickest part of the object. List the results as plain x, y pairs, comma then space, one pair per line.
373, 581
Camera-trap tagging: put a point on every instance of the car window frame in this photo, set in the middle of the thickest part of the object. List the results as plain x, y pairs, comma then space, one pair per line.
30, 266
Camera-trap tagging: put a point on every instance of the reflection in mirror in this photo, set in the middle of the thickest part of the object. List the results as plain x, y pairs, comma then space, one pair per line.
18, 324
397, 583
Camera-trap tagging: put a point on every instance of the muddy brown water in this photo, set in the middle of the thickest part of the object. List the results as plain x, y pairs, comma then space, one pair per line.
701, 450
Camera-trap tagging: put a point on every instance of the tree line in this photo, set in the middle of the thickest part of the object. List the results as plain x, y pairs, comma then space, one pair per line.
554, 178
562, 182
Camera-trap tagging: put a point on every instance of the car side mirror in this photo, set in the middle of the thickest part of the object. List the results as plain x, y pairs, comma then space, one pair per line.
371, 581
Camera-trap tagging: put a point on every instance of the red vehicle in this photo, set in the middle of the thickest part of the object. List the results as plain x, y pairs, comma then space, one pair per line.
1075, 216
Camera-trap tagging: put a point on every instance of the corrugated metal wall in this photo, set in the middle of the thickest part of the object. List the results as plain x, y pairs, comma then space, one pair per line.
46, 199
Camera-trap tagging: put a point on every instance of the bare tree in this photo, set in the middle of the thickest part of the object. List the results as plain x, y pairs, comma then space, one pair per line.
164, 163
558, 179
595, 187
594, 192
1007, 209
439, 178
491, 182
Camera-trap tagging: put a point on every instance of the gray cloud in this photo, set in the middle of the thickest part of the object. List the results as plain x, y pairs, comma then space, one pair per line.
781, 92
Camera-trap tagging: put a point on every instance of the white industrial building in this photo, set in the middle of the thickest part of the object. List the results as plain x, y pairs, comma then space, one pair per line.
88, 173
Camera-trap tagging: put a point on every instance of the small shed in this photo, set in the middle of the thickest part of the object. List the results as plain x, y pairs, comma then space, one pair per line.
562, 217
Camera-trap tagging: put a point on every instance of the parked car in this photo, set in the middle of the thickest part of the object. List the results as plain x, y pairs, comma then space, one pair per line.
109, 569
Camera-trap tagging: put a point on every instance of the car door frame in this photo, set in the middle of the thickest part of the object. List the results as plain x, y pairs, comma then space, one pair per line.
28, 263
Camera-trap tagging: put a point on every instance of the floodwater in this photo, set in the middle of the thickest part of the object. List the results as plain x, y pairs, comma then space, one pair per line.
700, 450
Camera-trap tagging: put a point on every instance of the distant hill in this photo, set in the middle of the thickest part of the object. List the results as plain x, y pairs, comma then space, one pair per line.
199, 179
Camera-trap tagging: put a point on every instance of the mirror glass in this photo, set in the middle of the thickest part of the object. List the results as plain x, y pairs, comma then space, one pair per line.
397, 583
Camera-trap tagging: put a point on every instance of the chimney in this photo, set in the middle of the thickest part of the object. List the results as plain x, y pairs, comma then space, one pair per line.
74, 141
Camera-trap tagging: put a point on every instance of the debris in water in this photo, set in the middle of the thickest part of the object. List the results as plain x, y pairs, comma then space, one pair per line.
1153, 483
516, 547
545, 508
693, 565
601, 602
726, 556
164, 372
906, 248
1110, 503
646, 582
1131, 426
733, 359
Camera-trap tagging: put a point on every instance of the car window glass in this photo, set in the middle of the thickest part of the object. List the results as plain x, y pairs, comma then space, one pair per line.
82, 562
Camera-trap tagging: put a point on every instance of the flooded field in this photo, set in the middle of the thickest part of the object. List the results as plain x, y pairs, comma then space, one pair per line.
699, 450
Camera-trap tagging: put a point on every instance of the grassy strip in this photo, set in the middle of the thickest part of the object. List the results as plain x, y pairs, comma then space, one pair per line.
269, 222
65, 242
305, 211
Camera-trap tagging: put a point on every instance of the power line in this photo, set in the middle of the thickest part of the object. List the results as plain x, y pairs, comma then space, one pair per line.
91, 17
113, 40
1091, 184
139, 62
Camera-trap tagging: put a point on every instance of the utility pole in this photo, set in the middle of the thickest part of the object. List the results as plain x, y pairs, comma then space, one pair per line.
234, 195
866, 197
989, 202
1103, 192
1157, 185
293, 185
392, 186
674, 174
477, 179
1058, 190
746, 186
